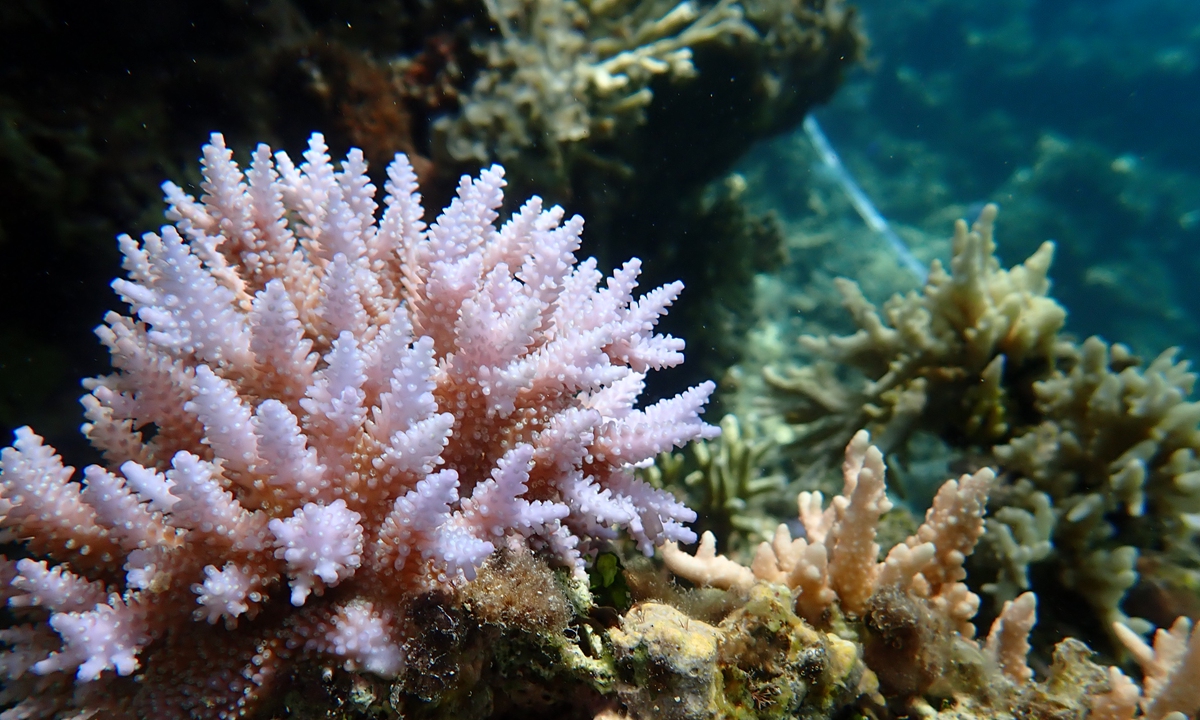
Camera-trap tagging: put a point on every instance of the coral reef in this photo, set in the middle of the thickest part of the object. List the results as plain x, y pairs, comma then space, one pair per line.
836, 558
953, 341
561, 71
105, 103
317, 417
601, 106
562, 77
910, 614
955, 113
1097, 451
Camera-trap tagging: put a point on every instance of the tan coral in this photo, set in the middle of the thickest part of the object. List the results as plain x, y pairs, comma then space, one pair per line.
838, 561
953, 340
706, 567
949, 534
563, 70
1117, 439
1171, 670
726, 481
1120, 702
1100, 452
1008, 641
560, 78
1016, 535
914, 624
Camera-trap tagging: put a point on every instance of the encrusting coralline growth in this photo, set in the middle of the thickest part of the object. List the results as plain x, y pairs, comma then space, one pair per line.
315, 415
911, 611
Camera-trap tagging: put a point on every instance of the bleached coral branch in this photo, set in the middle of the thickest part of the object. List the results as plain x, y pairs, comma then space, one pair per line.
853, 570
706, 567
1008, 641
561, 72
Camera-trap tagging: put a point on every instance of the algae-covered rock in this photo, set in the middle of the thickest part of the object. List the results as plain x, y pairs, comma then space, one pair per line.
669, 663
762, 661
775, 665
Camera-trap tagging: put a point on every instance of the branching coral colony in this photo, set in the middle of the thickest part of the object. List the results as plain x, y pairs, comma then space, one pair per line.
316, 415
563, 70
911, 612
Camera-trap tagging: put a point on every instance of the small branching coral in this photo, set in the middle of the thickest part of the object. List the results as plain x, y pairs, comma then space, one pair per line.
911, 611
837, 558
723, 479
1171, 672
316, 414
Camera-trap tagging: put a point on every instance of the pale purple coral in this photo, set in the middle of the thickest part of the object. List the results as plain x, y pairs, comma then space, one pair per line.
307, 396
224, 593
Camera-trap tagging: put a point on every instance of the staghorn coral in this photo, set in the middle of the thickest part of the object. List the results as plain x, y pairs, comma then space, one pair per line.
1098, 452
1115, 451
936, 357
317, 416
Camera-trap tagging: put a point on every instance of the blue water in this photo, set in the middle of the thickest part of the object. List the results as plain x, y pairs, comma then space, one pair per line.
1079, 118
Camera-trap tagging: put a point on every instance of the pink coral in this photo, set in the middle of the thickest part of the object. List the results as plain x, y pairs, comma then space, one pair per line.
317, 407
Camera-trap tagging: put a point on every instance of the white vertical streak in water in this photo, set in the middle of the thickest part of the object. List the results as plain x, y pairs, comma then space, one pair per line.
860, 201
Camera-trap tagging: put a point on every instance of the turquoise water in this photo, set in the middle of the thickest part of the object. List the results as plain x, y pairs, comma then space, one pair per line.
1078, 118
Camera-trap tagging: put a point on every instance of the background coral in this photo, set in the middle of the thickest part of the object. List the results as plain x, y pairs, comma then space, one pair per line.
98, 106
910, 613
1097, 451
726, 480
1069, 117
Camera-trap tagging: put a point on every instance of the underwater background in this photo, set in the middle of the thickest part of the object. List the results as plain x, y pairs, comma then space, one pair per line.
764, 152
